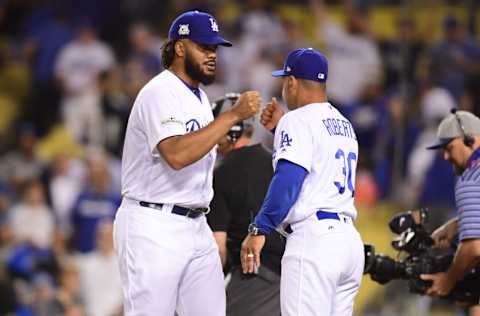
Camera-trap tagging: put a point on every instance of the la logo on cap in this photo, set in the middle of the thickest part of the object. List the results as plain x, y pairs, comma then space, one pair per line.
183, 29
288, 69
214, 25
321, 76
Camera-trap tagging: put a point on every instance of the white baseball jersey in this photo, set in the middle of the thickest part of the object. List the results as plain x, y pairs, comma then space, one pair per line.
323, 261
166, 107
321, 140
167, 262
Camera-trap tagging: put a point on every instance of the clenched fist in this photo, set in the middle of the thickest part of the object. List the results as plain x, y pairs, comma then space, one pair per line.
247, 105
271, 114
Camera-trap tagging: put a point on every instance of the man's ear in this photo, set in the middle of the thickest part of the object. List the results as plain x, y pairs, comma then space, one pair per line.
292, 83
180, 48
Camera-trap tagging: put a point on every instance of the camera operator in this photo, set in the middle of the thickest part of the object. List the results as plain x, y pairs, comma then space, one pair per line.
459, 141
240, 182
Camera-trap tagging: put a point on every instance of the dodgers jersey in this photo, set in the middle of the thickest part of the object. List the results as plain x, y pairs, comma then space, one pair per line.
321, 140
166, 107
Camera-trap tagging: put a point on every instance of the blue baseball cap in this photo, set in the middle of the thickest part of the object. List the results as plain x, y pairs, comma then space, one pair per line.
197, 26
305, 63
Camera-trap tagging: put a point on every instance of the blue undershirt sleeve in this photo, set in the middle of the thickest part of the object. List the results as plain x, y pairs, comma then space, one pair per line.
282, 193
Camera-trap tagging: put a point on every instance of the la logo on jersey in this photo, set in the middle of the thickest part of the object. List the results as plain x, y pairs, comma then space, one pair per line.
183, 29
192, 125
214, 25
285, 140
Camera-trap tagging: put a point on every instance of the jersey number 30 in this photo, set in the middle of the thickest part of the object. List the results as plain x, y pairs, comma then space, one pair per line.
347, 171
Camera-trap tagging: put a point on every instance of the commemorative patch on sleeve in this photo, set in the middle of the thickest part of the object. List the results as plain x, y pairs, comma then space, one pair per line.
171, 120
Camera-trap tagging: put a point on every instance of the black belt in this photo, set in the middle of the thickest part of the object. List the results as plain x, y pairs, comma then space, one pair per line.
320, 215
179, 210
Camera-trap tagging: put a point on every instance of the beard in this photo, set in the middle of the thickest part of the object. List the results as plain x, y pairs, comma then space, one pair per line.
194, 71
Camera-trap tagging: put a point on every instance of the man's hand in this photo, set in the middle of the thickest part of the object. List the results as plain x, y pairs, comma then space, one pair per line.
250, 253
247, 105
271, 114
444, 235
442, 284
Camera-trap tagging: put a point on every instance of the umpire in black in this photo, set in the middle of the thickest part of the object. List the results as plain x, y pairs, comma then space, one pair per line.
240, 184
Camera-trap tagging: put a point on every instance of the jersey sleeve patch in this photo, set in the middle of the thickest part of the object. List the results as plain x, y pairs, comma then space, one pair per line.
171, 120
161, 117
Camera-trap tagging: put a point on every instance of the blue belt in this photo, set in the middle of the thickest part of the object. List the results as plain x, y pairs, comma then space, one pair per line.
327, 215
320, 216
179, 210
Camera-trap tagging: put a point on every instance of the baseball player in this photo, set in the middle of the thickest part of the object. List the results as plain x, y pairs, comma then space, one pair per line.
311, 195
167, 255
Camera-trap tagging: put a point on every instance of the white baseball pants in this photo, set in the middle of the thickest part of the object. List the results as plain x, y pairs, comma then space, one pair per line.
322, 268
167, 263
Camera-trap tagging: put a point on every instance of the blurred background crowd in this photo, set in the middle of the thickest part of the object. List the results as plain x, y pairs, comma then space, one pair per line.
70, 71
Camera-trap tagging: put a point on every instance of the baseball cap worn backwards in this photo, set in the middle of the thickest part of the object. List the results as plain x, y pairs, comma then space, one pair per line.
305, 63
450, 129
200, 27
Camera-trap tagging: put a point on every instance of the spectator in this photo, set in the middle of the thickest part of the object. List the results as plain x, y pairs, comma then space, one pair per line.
99, 277
257, 75
43, 44
4, 205
354, 58
68, 297
78, 67
6, 235
369, 116
64, 184
96, 203
422, 187
8, 299
394, 146
455, 58
401, 55
258, 30
44, 292
116, 108
144, 60
145, 50
42, 47
31, 220
22, 163
14, 75
260, 26
295, 35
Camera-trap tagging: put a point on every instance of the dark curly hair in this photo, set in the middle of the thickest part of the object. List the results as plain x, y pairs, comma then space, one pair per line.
168, 53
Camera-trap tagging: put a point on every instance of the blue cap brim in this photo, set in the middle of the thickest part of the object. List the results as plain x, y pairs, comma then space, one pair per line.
440, 143
212, 41
279, 73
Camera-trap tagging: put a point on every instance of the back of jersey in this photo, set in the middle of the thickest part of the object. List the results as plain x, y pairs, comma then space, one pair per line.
320, 139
